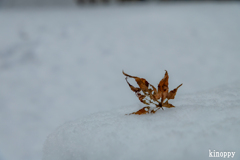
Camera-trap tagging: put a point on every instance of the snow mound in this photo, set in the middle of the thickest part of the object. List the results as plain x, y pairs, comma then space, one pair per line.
200, 122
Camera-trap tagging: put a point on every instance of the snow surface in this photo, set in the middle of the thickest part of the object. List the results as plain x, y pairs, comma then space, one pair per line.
58, 65
201, 121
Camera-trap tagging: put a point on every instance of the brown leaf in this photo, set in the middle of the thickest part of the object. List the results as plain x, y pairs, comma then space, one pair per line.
142, 83
153, 93
134, 89
155, 110
168, 105
163, 87
144, 110
141, 98
172, 93
128, 75
148, 94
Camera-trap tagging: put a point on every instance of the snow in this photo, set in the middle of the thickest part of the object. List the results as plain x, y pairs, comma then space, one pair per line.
201, 121
59, 65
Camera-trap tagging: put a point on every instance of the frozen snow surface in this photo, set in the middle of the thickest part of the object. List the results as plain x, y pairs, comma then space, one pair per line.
202, 121
59, 65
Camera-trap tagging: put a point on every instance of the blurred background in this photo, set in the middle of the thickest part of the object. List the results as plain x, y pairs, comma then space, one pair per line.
14, 3
62, 60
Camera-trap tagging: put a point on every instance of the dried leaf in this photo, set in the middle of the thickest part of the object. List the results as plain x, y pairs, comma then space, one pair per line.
134, 89
128, 75
141, 98
148, 94
144, 110
142, 83
172, 93
154, 94
155, 110
163, 87
168, 105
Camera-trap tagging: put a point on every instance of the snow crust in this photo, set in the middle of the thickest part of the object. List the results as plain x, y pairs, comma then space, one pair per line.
200, 121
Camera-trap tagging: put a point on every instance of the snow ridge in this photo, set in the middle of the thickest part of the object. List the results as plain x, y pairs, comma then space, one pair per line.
201, 121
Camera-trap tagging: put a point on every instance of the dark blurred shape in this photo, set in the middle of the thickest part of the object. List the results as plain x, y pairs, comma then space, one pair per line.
40, 3
80, 2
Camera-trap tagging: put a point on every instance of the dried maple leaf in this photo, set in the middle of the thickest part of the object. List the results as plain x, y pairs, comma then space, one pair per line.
148, 94
172, 93
163, 87
144, 110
